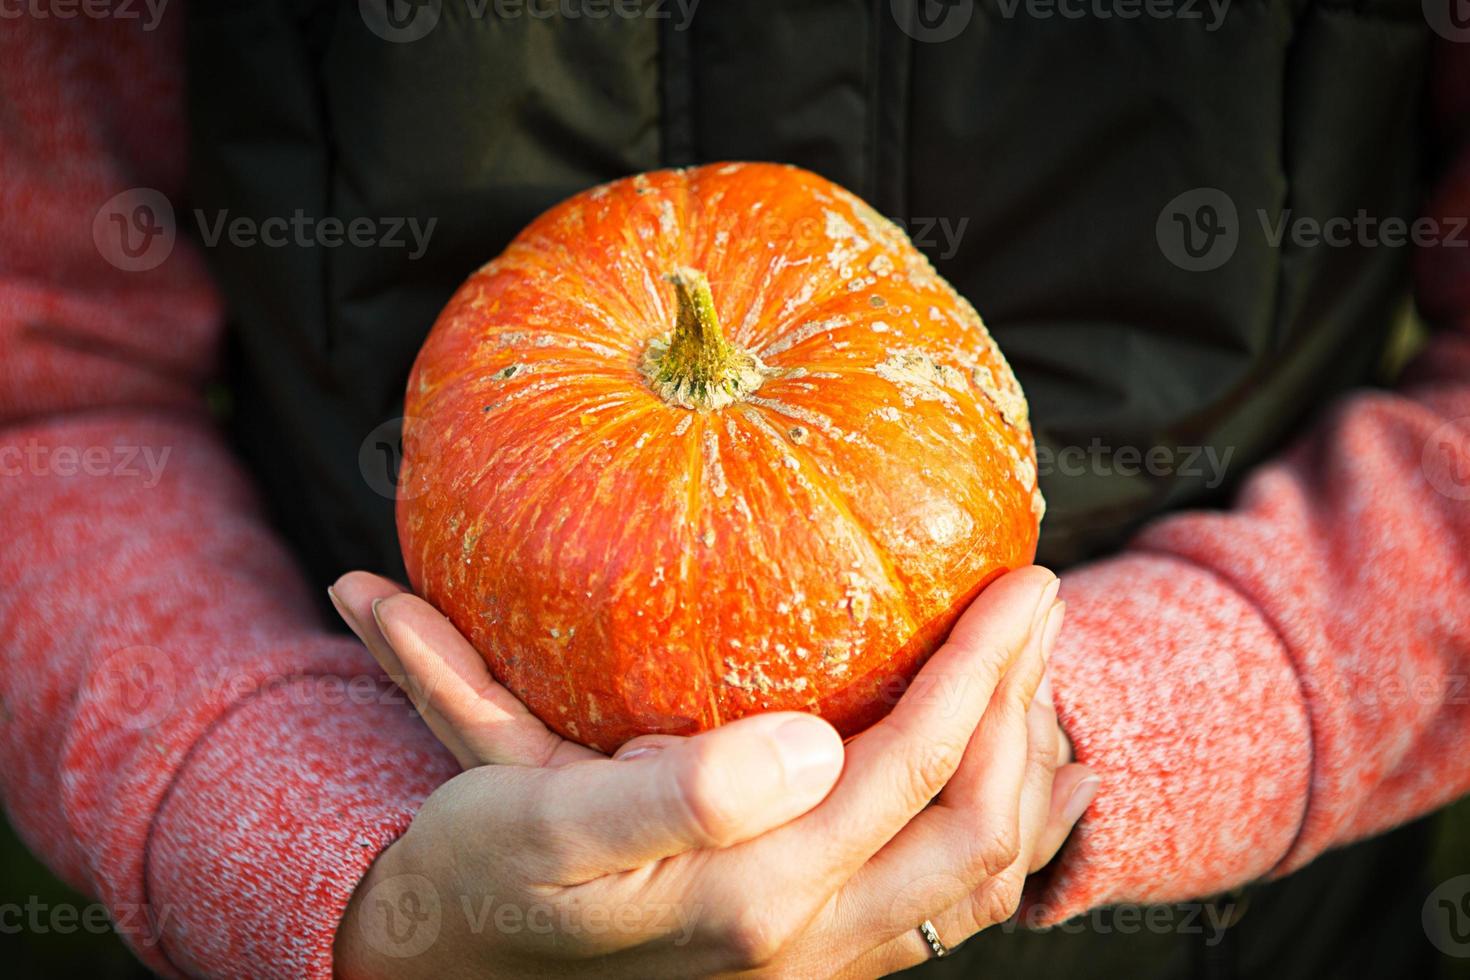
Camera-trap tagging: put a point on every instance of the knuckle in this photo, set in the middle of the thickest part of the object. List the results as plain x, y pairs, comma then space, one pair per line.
753, 940
997, 852
709, 806
934, 761
1041, 751
998, 900
1012, 708
993, 663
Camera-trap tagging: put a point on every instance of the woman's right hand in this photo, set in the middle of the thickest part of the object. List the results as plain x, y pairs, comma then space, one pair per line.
765, 845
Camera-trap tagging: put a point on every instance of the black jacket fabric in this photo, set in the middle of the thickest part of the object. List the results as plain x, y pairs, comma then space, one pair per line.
1106, 189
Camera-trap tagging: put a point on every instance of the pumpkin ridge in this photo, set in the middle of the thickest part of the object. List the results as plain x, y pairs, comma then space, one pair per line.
813, 306
564, 467
693, 510
823, 485
548, 267
521, 337
847, 319
575, 404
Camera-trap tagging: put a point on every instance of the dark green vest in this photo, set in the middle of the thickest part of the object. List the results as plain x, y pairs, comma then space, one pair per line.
1120, 196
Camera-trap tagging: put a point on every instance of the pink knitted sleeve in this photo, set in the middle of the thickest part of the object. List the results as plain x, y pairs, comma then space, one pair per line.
1259, 685
181, 736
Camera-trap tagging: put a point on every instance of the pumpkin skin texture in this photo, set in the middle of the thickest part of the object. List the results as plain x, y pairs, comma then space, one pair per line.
802, 538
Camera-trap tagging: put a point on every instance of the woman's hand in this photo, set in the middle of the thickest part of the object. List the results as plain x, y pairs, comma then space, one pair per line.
765, 845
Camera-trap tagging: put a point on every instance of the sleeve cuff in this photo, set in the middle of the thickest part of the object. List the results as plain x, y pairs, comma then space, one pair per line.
1178, 693
275, 817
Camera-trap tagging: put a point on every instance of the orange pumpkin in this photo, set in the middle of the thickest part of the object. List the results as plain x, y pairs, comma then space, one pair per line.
702, 443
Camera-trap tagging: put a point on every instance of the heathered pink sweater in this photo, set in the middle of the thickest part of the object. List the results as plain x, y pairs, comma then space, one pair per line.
182, 735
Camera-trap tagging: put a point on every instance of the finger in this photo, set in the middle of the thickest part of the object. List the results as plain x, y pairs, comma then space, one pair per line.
1064, 748
998, 898
712, 790
1041, 743
1044, 692
900, 764
1041, 771
1072, 792
456, 693
354, 596
969, 850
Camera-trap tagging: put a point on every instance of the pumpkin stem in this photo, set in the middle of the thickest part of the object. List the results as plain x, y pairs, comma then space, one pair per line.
695, 366
697, 324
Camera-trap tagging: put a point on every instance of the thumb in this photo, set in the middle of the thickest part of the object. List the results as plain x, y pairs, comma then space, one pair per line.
673, 795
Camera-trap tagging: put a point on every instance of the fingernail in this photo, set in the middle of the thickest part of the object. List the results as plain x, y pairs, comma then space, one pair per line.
376, 617
337, 605
1052, 628
1043, 690
1081, 797
809, 751
637, 751
1048, 598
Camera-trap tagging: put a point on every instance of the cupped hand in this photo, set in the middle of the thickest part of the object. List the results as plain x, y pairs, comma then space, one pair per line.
763, 846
